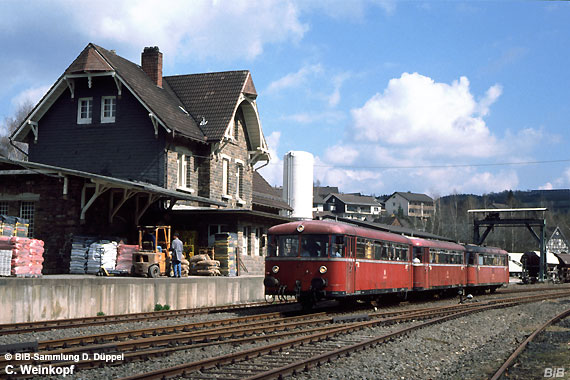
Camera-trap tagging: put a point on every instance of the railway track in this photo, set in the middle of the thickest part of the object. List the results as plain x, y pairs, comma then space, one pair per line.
302, 353
26, 327
247, 330
503, 370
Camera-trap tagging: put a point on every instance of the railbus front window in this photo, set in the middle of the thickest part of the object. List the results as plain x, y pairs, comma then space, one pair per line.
337, 248
288, 246
314, 245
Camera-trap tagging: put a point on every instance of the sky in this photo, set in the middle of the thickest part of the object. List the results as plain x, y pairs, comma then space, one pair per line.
434, 97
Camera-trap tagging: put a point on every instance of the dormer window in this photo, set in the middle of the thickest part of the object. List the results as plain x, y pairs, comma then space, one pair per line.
108, 109
84, 110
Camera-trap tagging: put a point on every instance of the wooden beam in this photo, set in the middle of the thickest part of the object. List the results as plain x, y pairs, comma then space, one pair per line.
140, 212
127, 194
99, 189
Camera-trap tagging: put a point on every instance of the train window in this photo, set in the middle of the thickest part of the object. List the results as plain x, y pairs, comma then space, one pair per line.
314, 246
418, 255
481, 257
360, 248
378, 250
385, 250
337, 246
369, 250
288, 246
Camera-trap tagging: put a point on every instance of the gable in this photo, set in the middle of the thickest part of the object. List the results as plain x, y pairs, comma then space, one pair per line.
163, 108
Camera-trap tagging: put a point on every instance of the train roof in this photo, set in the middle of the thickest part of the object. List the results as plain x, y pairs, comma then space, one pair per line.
485, 249
337, 228
419, 242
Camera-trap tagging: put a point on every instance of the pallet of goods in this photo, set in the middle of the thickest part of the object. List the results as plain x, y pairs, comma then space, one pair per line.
26, 256
125, 257
225, 248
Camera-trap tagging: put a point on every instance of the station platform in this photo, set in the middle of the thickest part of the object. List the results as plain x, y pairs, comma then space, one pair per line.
76, 296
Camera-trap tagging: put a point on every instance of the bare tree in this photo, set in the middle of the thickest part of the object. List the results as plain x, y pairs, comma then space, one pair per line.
8, 126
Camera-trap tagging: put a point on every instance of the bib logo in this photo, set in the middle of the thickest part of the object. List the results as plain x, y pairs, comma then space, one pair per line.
552, 373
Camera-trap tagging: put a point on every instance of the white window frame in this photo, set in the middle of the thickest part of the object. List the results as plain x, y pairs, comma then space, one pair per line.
4, 208
27, 211
226, 177
108, 119
182, 167
239, 180
85, 120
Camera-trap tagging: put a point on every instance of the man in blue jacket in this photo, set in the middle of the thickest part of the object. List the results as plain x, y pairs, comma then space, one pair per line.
176, 248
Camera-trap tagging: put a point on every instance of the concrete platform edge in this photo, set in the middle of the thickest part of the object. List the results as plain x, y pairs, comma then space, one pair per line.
65, 296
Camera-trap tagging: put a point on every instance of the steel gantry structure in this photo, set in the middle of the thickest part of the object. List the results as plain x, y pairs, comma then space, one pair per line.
493, 217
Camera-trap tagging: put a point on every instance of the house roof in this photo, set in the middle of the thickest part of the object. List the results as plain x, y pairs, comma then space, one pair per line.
112, 182
160, 101
353, 199
413, 197
212, 97
266, 195
199, 106
320, 192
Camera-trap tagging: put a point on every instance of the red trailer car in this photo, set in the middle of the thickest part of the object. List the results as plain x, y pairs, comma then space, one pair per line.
438, 264
487, 267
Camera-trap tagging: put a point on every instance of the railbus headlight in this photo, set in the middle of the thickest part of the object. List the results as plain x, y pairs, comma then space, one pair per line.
275, 269
322, 269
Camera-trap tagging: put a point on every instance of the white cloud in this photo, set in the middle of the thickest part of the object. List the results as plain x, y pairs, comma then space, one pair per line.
201, 28
417, 135
338, 80
31, 95
560, 182
296, 79
414, 110
329, 117
341, 155
348, 180
491, 96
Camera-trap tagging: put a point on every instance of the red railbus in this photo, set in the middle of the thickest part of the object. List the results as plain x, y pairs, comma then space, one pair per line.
316, 259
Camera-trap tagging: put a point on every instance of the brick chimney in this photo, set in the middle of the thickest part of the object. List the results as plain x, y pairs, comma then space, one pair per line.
151, 62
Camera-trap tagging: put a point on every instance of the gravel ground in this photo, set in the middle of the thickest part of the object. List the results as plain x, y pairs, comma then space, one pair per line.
463, 348
547, 356
473, 347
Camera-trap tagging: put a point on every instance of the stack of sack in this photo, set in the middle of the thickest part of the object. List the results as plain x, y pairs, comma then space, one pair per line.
125, 256
78, 259
185, 265
101, 255
202, 265
26, 255
7, 225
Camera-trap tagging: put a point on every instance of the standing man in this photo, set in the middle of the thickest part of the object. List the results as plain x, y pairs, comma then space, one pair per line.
176, 249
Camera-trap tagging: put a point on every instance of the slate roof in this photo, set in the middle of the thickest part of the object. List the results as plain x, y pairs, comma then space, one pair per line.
212, 97
352, 199
320, 193
266, 195
89, 61
414, 197
161, 101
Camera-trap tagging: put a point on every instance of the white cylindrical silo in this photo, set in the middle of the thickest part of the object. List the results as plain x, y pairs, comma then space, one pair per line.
298, 183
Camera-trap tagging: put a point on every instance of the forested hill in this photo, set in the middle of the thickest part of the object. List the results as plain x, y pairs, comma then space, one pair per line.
452, 220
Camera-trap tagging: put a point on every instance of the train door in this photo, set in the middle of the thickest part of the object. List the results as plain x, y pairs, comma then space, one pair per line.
350, 264
420, 264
